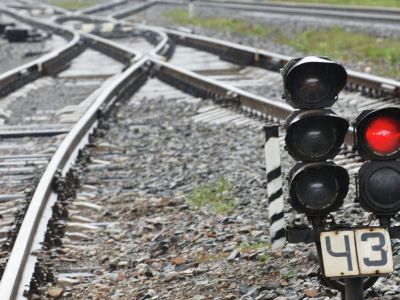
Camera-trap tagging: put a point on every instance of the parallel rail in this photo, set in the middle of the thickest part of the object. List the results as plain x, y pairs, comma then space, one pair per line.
371, 85
314, 6
11, 285
16, 276
335, 12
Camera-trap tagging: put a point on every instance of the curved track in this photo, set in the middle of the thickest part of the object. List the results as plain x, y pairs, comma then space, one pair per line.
235, 102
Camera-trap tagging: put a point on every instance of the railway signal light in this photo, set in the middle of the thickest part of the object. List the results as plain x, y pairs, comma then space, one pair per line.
349, 256
378, 134
313, 82
315, 134
317, 188
379, 184
378, 140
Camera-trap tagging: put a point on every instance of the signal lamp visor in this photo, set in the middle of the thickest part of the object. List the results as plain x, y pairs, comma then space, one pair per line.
315, 135
313, 83
318, 188
378, 134
380, 187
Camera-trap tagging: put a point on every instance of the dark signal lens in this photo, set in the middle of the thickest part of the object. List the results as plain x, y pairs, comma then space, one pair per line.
313, 86
380, 187
313, 82
315, 135
383, 135
314, 138
316, 191
318, 188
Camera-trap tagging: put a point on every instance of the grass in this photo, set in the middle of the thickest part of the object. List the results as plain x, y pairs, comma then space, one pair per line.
377, 3
240, 27
218, 195
245, 247
264, 257
290, 274
73, 4
253, 247
382, 55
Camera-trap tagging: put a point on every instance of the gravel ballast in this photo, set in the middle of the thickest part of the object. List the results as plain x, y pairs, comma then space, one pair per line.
150, 243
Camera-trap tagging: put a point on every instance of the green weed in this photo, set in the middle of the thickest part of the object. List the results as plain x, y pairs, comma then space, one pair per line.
381, 54
73, 4
219, 196
239, 27
245, 247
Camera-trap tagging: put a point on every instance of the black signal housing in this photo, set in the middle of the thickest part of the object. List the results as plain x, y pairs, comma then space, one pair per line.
316, 189
313, 82
315, 135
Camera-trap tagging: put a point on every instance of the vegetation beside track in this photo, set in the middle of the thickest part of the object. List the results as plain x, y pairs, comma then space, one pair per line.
218, 195
380, 3
380, 55
73, 4
236, 26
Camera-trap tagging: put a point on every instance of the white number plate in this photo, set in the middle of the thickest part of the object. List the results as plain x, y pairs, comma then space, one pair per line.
366, 251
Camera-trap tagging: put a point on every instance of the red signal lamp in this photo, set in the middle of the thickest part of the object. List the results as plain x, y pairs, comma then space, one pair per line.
378, 134
383, 134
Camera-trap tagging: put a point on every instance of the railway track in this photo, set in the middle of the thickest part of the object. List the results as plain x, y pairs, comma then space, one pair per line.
354, 13
226, 82
389, 16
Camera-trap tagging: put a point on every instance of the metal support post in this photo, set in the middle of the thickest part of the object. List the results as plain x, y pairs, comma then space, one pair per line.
274, 186
353, 288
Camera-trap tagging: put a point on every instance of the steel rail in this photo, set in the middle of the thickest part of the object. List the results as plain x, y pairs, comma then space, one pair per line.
278, 110
275, 109
47, 64
57, 9
11, 285
119, 52
214, 89
372, 85
16, 277
368, 84
245, 55
353, 15
317, 6
106, 46
134, 9
163, 46
200, 85
102, 7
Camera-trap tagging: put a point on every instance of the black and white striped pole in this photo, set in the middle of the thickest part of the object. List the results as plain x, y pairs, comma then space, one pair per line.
274, 186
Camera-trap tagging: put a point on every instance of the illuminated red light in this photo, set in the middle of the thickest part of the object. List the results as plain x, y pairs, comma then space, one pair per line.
383, 135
